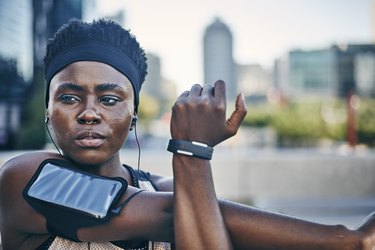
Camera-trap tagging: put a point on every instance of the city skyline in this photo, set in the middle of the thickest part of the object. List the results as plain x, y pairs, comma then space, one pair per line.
262, 30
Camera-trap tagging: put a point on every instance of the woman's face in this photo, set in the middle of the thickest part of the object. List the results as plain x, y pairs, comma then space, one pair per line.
90, 110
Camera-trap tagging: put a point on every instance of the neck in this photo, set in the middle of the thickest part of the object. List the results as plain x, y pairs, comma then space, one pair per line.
110, 168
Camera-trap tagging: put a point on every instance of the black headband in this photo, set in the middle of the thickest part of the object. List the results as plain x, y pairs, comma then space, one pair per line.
99, 52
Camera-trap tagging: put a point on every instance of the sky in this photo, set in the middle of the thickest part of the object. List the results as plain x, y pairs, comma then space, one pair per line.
263, 30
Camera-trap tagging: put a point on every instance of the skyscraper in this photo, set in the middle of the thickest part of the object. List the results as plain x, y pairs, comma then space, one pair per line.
218, 56
15, 34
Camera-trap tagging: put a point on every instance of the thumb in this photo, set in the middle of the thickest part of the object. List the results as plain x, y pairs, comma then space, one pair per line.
236, 118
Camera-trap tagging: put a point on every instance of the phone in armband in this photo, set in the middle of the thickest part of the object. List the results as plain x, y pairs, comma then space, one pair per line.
70, 199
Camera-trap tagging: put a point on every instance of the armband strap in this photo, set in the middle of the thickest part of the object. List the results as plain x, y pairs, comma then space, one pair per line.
190, 148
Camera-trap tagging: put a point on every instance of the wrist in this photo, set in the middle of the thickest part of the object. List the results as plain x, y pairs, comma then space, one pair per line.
190, 148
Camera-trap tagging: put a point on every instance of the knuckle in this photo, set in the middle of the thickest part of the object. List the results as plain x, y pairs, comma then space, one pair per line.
232, 131
178, 106
204, 102
220, 108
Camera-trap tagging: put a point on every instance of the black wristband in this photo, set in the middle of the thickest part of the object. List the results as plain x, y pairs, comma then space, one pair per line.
190, 148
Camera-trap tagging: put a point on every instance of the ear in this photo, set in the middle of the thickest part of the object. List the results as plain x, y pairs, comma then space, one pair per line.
133, 122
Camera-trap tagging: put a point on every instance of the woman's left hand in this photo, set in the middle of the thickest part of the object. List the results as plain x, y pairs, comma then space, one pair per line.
200, 115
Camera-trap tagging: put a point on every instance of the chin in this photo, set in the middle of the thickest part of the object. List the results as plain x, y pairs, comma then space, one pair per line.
88, 158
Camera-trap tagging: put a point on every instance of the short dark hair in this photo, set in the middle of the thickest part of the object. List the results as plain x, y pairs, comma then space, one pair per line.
106, 31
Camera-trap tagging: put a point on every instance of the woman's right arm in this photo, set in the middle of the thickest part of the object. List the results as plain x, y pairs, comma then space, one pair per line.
147, 216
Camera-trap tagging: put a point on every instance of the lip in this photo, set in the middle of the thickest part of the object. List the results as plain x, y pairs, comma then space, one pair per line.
89, 139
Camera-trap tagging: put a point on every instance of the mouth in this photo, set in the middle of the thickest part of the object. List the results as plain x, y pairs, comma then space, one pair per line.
89, 139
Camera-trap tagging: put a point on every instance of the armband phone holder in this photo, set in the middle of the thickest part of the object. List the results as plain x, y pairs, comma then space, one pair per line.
70, 199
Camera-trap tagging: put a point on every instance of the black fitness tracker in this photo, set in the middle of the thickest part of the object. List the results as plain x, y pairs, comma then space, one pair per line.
190, 148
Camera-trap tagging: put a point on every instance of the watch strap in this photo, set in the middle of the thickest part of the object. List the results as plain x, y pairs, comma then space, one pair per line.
190, 148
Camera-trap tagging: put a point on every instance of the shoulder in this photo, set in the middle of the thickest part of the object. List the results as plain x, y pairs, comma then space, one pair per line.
15, 214
24, 164
16, 172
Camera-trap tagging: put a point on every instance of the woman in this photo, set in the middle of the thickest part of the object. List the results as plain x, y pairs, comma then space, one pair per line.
94, 74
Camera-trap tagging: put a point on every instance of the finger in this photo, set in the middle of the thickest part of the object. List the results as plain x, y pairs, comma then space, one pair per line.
207, 90
183, 95
235, 120
220, 94
195, 90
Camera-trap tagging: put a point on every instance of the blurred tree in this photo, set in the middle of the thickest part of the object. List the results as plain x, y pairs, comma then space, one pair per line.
148, 109
301, 124
32, 134
366, 122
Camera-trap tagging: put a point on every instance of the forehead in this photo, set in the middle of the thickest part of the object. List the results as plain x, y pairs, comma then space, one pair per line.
87, 73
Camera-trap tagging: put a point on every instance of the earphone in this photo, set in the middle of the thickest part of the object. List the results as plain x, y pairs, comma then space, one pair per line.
46, 121
134, 122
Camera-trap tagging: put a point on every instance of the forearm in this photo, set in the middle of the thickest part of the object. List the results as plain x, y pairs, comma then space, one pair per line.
251, 228
198, 222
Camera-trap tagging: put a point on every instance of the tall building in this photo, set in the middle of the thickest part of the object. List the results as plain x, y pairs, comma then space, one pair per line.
50, 15
353, 60
15, 34
15, 65
302, 74
218, 56
118, 17
312, 73
62, 12
156, 86
364, 74
331, 72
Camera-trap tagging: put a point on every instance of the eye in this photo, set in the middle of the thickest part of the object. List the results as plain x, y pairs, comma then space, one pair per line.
68, 99
109, 100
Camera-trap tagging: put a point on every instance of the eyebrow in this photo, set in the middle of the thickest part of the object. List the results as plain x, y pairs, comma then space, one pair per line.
108, 86
70, 86
100, 87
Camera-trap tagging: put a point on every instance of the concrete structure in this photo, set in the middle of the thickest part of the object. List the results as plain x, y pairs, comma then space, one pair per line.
218, 56
253, 79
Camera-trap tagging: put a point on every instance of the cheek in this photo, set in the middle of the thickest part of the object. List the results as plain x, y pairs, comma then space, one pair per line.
120, 121
121, 126
58, 120
61, 122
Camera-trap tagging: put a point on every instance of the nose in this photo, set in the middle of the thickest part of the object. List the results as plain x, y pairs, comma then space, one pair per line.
89, 116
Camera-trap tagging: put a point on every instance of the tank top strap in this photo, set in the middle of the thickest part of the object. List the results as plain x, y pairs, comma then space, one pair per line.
141, 179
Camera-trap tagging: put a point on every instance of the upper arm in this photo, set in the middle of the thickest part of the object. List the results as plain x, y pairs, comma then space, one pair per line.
163, 184
148, 216
17, 218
